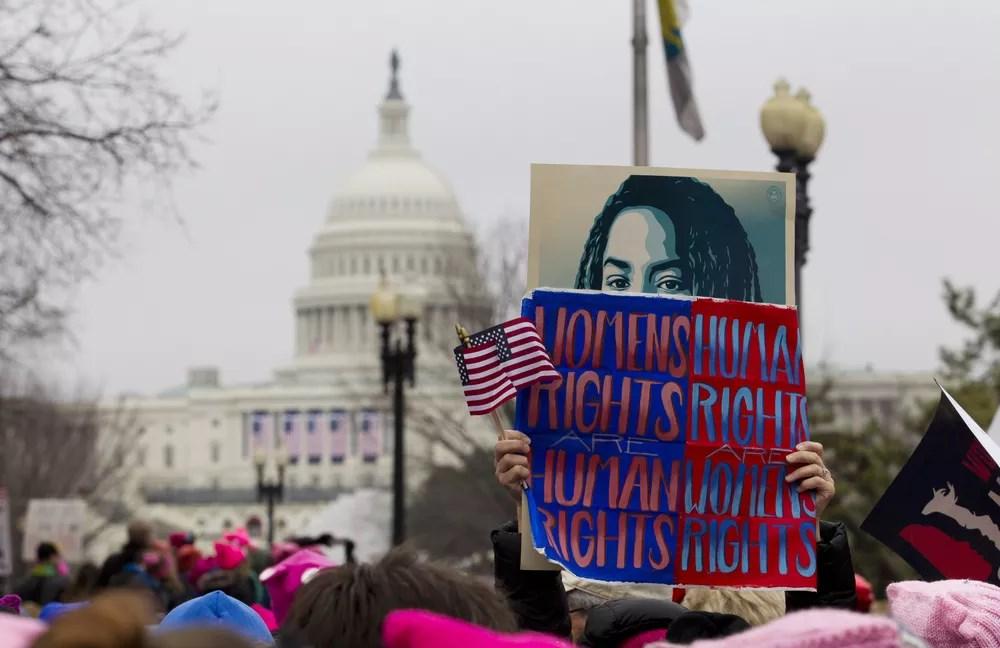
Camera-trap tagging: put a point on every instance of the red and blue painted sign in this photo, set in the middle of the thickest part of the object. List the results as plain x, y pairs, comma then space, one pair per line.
660, 456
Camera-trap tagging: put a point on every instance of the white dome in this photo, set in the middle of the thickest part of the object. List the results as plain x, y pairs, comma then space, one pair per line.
393, 184
395, 216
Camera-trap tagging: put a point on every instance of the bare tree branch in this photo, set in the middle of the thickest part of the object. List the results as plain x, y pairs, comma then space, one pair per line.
54, 447
83, 109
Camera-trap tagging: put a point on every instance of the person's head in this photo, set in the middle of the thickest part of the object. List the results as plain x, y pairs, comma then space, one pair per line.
122, 620
580, 603
140, 533
583, 595
113, 620
200, 638
669, 235
345, 606
46, 552
218, 610
757, 607
231, 582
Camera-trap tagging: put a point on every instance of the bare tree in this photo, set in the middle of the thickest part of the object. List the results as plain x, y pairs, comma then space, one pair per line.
83, 110
64, 448
459, 501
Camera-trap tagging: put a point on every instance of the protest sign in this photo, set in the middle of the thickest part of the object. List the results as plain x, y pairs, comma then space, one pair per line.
730, 233
6, 547
60, 521
942, 511
660, 456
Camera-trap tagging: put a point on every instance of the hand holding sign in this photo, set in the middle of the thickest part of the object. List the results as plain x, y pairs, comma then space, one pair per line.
513, 461
812, 473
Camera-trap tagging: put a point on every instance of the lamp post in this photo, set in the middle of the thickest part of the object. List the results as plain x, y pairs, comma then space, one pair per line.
268, 490
794, 129
398, 364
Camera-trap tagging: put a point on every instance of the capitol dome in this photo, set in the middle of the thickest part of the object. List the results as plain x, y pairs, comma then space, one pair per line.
395, 215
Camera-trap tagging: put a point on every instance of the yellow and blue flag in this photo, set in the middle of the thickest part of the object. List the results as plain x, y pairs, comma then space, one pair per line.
678, 70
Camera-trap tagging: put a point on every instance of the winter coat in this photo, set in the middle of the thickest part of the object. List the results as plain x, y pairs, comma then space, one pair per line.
116, 563
44, 585
615, 622
536, 597
835, 586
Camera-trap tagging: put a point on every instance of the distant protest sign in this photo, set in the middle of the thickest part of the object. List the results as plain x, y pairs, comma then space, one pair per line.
60, 521
6, 548
660, 456
942, 511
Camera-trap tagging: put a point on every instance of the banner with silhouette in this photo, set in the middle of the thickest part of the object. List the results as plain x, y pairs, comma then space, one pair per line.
942, 511
660, 456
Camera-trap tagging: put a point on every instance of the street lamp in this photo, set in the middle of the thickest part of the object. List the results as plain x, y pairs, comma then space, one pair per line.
389, 307
268, 490
794, 129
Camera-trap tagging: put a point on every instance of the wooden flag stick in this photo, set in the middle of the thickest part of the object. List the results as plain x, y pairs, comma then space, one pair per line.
463, 338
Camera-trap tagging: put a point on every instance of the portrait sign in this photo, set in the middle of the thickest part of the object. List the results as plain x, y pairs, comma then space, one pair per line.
942, 511
660, 456
721, 234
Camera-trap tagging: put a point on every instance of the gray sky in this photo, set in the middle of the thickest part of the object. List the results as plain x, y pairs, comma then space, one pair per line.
903, 190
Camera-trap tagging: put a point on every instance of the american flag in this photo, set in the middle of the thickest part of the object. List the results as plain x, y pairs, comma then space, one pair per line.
495, 363
370, 435
293, 435
339, 421
314, 438
261, 432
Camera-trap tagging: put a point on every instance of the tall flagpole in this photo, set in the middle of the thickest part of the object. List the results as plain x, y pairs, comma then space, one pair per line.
640, 107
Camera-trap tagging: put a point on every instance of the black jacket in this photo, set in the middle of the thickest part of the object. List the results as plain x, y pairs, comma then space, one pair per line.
42, 588
539, 600
834, 573
115, 564
536, 597
612, 623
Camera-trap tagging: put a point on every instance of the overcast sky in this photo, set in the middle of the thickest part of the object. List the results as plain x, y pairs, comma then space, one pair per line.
904, 188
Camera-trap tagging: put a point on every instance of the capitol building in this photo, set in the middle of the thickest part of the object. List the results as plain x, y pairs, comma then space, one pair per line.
324, 415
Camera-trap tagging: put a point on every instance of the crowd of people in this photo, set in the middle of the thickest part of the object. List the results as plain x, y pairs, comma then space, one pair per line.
168, 593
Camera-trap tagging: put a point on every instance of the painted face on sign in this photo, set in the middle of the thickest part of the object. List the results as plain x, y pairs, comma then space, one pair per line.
641, 255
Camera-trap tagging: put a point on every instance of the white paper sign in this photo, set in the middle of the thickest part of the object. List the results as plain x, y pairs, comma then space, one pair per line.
6, 546
59, 521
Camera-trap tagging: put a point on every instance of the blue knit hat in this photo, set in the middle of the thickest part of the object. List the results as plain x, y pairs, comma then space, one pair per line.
218, 609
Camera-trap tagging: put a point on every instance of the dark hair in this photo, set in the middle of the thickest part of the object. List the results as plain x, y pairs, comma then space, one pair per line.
45, 551
345, 606
112, 620
710, 238
231, 582
85, 583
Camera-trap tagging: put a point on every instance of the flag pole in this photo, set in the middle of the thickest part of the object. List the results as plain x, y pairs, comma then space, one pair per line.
463, 338
640, 102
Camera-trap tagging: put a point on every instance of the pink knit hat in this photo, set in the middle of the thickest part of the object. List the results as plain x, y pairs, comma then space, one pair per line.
812, 629
266, 615
949, 612
201, 567
282, 550
19, 632
420, 629
228, 556
285, 578
239, 538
